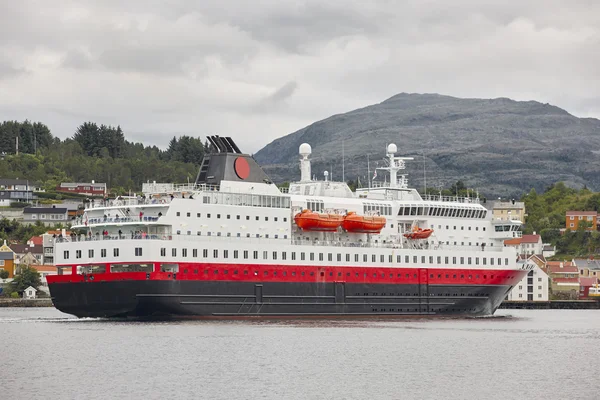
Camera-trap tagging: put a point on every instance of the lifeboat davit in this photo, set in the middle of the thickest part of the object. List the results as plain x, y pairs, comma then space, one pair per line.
361, 224
309, 220
419, 233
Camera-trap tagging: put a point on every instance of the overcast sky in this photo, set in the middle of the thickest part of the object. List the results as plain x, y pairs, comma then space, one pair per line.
258, 70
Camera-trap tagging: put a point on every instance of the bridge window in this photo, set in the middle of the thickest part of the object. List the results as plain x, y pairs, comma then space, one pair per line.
116, 252
195, 253
138, 251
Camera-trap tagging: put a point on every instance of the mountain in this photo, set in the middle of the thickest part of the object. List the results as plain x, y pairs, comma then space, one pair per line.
500, 147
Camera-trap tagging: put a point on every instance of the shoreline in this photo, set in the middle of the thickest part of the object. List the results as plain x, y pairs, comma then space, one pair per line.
6, 302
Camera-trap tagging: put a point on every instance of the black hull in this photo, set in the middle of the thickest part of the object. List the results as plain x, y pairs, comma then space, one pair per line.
230, 299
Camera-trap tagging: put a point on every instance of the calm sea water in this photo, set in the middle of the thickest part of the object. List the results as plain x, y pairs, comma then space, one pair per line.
518, 354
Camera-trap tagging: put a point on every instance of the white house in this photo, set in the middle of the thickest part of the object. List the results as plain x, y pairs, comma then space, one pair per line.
29, 293
533, 287
528, 244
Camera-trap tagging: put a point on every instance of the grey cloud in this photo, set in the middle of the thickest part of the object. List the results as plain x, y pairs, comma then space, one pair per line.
207, 66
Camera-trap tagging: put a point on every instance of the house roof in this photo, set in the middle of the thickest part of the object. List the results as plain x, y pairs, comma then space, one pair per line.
77, 184
36, 240
44, 268
574, 213
7, 255
31, 287
48, 210
587, 281
57, 232
512, 242
531, 238
25, 248
548, 247
584, 263
12, 182
567, 267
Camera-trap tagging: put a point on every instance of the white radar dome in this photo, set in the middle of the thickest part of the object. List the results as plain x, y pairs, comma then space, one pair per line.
305, 149
392, 149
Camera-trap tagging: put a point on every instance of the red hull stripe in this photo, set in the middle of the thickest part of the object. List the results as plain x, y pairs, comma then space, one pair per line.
288, 273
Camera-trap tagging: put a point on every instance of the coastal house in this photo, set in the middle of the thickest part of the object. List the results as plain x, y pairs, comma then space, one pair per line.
7, 260
548, 250
45, 271
588, 267
509, 210
29, 293
564, 277
28, 255
527, 244
573, 218
17, 190
585, 283
84, 188
534, 286
47, 215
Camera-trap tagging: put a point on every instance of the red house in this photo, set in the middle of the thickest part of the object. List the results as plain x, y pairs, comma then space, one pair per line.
585, 283
88, 189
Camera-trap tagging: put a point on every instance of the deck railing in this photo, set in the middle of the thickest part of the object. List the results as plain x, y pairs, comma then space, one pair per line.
405, 245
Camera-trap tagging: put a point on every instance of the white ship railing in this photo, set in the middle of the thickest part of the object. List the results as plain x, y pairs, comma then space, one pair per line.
454, 199
275, 241
208, 194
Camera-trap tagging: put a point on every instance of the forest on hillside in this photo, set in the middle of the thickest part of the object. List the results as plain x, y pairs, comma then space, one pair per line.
94, 152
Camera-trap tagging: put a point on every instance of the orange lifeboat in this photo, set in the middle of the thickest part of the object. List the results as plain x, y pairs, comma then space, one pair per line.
308, 220
419, 233
361, 224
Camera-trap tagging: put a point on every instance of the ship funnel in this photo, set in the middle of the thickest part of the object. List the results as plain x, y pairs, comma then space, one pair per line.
304, 151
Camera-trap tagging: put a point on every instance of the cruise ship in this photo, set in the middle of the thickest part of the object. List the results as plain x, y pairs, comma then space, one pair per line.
234, 245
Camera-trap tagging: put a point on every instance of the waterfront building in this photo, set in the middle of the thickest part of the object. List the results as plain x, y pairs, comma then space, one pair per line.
587, 267
527, 244
532, 287
47, 215
508, 210
7, 260
573, 218
84, 188
17, 190
564, 277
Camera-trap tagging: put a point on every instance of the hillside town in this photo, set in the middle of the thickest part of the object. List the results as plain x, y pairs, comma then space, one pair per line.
22, 201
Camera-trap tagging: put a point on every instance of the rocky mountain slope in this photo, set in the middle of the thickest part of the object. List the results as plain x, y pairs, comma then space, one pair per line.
500, 147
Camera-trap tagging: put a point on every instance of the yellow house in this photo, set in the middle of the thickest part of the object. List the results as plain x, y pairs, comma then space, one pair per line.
7, 260
509, 211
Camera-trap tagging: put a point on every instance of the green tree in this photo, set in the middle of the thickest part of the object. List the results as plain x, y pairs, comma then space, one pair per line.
4, 274
27, 277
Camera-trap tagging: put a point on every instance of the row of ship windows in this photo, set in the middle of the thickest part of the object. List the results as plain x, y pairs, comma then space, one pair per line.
208, 215
368, 208
321, 256
348, 274
442, 212
228, 234
462, 228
